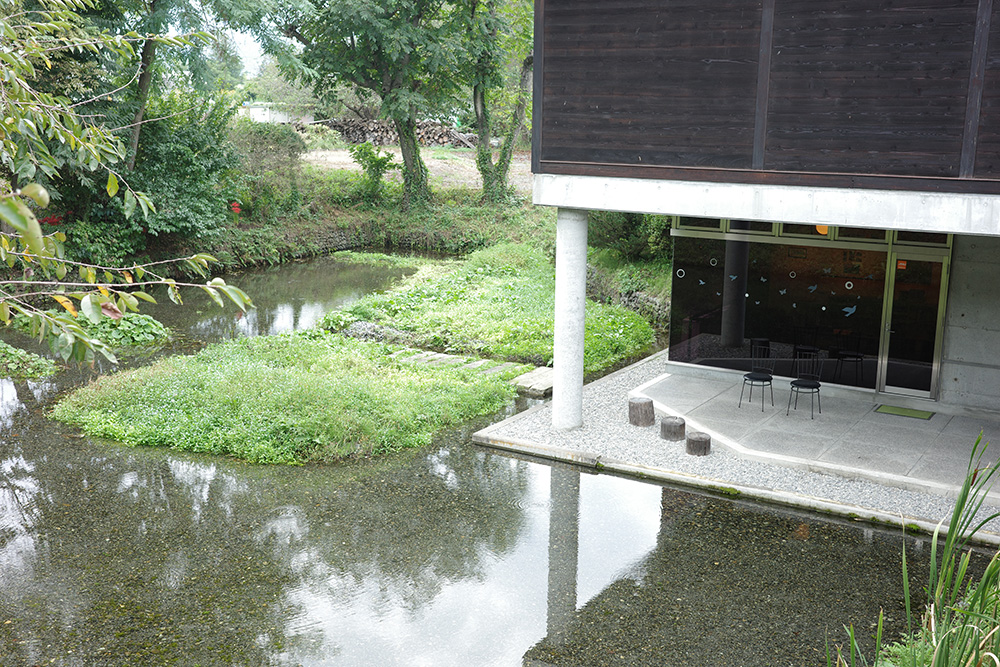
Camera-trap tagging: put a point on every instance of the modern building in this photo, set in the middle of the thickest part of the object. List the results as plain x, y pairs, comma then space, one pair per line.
832, 168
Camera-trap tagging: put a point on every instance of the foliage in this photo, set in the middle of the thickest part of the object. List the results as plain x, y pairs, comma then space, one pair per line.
375, 164
270, 162
633, 235
961, 619
34, 122
183, 163
270, 85
21, 364
322, 138
500, 304
265, 147
404, 51
643, 275
283, 399
132, 329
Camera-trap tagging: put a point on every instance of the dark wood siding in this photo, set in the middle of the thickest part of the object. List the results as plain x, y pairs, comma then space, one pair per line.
649, 82
869, 87
988, 146
874, 93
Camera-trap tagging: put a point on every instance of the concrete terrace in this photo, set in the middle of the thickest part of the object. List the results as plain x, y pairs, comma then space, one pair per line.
850, 460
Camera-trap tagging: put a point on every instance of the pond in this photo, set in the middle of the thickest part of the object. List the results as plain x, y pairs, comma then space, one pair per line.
451, 555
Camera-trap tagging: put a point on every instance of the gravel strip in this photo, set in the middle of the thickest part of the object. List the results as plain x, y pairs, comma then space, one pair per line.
609, 442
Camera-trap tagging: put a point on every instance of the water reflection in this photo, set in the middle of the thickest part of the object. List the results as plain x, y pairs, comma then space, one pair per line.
452, 555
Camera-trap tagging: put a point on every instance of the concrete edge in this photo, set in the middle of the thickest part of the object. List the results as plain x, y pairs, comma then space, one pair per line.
725, 489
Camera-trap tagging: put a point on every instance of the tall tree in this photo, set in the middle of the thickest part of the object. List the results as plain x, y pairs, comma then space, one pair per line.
499, 41
406, 51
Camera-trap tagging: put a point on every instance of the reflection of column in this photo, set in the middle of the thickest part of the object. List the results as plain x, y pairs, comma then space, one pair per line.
734, 303
570, 297
564, 535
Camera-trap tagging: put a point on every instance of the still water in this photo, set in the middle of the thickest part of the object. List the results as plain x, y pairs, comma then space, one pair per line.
451, 555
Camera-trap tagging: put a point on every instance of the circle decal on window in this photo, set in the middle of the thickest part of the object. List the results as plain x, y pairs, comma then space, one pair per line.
680, 273
849, 285
791, 274
713, 262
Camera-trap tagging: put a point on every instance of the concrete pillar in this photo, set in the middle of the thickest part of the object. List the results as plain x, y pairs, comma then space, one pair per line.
564, 540
571, 295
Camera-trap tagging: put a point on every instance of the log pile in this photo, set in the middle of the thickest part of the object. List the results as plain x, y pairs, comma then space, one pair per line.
382, 133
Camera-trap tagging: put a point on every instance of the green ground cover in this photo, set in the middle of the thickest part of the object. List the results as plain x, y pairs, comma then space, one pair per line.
23, 365
498, 303
292, 398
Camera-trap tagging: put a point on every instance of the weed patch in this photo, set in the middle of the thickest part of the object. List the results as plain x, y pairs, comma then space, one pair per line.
499, 303
286, 399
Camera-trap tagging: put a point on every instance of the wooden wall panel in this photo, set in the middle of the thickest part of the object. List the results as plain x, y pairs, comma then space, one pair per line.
869, 86
988, 147
654, 82
849, 93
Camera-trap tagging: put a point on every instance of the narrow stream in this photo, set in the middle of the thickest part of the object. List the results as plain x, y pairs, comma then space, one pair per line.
451, 555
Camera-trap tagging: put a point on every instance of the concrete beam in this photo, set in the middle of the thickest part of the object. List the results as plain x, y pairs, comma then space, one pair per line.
884, 209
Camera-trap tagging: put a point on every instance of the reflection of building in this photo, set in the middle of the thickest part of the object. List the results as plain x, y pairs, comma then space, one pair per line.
833, 173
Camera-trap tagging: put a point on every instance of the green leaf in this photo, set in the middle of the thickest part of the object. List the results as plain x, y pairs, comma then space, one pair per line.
36, 192
91, 308
112, 184
129, 204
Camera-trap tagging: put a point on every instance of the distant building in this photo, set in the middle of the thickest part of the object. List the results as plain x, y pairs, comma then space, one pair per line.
269, 112
833, 170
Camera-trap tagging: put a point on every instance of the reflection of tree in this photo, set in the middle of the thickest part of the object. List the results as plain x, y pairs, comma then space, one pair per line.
136, 557
292, 296
730, 584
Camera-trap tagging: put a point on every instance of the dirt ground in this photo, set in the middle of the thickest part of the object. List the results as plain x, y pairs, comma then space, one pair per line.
448, 167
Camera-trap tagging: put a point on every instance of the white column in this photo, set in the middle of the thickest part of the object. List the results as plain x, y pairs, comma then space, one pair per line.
571, 296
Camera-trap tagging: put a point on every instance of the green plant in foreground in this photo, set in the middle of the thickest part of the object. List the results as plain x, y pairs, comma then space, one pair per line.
961, 620
132, 329
20, 364
293, 398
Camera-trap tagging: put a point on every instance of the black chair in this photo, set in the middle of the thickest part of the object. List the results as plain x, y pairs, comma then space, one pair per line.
849, 352
761, 371
809, 367
804, 343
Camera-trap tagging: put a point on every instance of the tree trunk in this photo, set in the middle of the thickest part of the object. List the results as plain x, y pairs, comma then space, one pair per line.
415, 188
494, 174
145, 83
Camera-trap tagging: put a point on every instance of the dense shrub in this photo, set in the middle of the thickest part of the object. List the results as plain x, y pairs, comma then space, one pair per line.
632, 235
183, 164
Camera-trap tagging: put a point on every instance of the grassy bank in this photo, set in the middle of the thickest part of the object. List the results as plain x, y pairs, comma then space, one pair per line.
324, 211
283, 399
498, 303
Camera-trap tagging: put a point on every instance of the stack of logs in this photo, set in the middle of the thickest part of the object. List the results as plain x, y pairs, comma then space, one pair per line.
382, 133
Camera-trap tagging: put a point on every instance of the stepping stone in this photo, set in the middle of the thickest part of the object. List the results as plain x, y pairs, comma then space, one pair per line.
420, 358
698, 444
536, 383
501, 368
672, 428
478, 363
447, 360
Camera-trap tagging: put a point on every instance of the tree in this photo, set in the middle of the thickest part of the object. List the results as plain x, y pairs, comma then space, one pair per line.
498, 32
405, 51
34, 121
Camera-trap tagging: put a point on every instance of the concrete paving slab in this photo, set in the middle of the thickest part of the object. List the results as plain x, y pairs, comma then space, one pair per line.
884, 459
776, 440
970, 428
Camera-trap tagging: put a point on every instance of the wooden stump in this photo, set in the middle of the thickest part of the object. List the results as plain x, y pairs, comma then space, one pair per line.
640, 412
698, 444
672, 428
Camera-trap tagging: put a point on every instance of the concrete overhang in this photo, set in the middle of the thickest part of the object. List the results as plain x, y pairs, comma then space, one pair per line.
952, 213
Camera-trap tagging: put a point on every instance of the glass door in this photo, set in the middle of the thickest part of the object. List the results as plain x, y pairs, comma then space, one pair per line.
913, 317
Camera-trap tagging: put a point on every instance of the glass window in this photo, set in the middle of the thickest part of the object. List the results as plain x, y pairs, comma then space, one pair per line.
727, 292
920, 238
789, 229
699, 223
861, 233
751, 226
